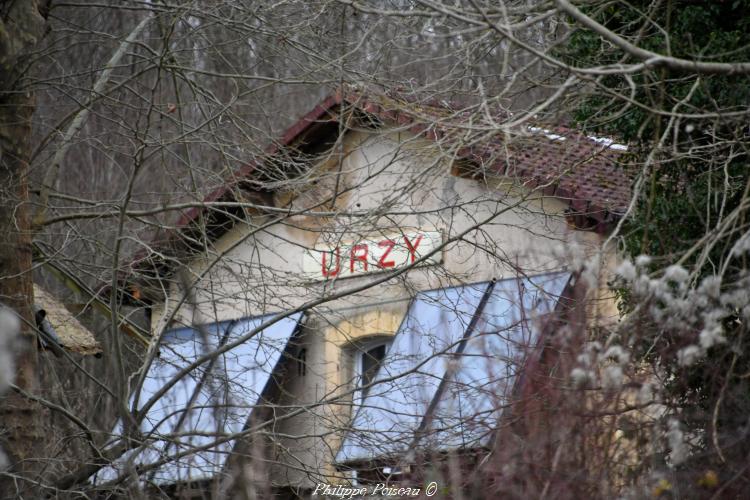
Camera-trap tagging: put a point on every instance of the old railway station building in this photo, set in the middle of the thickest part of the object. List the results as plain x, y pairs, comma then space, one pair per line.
382, 286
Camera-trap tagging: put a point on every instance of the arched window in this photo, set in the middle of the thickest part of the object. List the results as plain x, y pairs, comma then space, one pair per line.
368, 356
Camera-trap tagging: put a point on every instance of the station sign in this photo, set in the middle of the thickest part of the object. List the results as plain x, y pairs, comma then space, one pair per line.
372, 255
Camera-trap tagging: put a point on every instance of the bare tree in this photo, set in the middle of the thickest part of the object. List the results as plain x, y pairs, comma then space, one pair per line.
176, 191
21, 27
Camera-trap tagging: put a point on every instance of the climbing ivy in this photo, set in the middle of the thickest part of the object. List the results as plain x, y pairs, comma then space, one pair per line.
689, 135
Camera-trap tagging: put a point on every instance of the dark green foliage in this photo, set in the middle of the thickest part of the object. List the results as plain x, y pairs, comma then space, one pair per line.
700, 174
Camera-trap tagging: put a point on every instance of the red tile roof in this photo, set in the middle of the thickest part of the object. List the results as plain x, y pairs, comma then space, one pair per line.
563, 163
582, 170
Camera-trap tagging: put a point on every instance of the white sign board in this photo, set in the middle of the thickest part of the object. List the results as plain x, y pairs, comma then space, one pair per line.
372, 255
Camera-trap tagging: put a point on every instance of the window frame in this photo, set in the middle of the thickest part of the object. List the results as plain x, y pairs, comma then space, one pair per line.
359, 349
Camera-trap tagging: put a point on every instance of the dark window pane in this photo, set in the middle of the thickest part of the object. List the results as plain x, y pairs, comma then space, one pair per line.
371, 361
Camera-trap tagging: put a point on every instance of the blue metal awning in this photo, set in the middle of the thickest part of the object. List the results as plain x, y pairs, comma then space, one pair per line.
451, 368
210, 403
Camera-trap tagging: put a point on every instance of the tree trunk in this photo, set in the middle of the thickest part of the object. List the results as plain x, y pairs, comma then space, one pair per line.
21, 26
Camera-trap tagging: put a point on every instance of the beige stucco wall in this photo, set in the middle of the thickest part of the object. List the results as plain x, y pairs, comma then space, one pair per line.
256, 268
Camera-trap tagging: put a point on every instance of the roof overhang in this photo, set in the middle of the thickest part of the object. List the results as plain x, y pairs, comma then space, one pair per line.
584, 172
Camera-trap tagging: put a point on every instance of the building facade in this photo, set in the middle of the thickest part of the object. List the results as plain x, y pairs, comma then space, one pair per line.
373, 291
